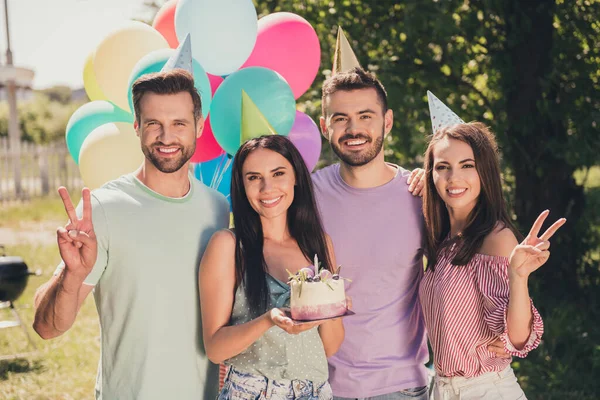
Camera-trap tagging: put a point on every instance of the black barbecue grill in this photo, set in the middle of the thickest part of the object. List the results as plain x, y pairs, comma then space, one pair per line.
14, 275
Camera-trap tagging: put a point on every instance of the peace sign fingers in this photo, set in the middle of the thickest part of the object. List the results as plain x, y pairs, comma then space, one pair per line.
537, 225
66, 199
533, 252
87, 205
553, 228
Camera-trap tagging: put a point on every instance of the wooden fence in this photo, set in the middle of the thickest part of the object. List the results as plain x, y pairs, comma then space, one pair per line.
43, 169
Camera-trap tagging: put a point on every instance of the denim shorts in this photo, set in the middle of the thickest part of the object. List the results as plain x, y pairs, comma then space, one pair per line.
418, 393
245, 386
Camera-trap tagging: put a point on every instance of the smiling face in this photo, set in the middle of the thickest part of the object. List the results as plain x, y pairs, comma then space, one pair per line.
355, 124
454, 174
269, 182
167, 130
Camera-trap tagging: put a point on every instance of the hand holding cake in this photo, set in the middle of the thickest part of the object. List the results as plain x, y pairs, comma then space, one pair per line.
280, 319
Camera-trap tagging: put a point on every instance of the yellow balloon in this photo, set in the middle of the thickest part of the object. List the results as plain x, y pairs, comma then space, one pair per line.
118, 53
89, 80
109, 151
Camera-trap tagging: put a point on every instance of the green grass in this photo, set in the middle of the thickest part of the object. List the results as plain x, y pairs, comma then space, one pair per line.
62, 368
51, 208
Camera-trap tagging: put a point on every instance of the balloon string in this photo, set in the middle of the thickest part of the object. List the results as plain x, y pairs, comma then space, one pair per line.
216, 174
212, 179
227, 165
198, 171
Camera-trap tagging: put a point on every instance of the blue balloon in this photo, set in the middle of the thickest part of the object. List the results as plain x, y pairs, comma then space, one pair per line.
223, 32
216, 173
267, 89
87, 118
154, 62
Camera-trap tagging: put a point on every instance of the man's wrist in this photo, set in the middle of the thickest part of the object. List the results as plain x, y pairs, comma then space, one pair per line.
70, 282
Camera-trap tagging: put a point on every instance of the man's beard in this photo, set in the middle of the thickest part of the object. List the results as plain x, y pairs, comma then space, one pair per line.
361, 158
169, 165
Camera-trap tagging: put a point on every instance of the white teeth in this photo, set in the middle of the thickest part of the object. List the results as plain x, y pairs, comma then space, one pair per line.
270, 201
167, 150
356, 142
457, 191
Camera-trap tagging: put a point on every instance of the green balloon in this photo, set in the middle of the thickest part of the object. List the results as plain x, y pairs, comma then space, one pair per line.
270, 95
87, 118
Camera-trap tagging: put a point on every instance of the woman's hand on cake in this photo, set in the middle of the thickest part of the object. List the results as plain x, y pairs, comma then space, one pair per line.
279, 319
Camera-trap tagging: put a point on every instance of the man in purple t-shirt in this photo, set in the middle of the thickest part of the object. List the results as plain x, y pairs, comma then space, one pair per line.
377, 229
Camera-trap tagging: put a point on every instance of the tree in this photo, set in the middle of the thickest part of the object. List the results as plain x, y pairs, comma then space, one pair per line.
60, 94
529, 69
40, 120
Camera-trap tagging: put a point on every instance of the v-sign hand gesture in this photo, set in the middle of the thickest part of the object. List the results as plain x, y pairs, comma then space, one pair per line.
76, 241
533, 252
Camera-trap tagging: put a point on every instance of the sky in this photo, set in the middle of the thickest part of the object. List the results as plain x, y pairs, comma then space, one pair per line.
54, 37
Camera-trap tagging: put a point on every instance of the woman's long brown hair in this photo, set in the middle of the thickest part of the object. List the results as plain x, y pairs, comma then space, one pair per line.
304, 221
490, 209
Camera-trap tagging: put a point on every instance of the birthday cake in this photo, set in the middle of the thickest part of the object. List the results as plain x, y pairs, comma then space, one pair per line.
316, 294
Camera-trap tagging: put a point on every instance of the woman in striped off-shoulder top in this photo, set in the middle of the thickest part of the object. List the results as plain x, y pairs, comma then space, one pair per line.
475, 287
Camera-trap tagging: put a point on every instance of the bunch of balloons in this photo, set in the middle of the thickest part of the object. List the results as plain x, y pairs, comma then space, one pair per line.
248, 71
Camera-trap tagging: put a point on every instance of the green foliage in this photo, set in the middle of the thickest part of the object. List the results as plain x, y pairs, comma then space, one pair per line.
529, 69
60, 94
565, 365
41, 120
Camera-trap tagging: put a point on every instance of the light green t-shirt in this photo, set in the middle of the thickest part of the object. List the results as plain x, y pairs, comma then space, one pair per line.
146, 290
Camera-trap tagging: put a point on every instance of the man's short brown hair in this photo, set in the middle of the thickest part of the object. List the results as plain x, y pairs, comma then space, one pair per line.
356, 78
168, 82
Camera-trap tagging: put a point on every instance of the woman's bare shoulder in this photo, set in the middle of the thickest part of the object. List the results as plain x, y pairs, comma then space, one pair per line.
500, 242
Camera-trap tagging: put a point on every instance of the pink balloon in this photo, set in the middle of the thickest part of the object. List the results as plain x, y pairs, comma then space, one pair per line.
215, 82
287, 44
164, 22
207, 147
306, 136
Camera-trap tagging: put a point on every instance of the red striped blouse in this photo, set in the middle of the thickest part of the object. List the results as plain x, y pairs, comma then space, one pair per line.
465, 310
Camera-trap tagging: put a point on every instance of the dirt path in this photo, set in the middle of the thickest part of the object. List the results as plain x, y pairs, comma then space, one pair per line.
38, 233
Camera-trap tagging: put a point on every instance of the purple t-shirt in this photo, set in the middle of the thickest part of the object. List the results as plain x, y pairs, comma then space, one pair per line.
377, 234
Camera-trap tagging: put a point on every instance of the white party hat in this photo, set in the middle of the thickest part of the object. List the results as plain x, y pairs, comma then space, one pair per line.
441, 115
344, 58
182, 58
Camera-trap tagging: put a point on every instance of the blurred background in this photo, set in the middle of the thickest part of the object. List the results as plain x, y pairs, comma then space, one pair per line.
530, 69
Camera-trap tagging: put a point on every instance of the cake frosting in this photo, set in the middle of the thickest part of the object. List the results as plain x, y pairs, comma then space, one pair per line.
316, 296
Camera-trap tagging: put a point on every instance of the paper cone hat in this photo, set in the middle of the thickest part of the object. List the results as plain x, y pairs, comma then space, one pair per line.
441, 115
182, 58
254, 123
344, 58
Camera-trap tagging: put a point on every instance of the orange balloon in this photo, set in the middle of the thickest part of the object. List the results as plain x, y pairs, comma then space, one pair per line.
164, 22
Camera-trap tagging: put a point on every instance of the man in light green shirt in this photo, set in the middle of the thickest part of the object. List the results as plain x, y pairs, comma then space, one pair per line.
136, 243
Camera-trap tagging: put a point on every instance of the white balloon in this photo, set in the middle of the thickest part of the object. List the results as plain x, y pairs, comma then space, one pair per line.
223, 32
118, 53
109, 151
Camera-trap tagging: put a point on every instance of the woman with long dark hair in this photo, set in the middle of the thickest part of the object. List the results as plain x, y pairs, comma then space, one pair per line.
243, 278
475, 287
